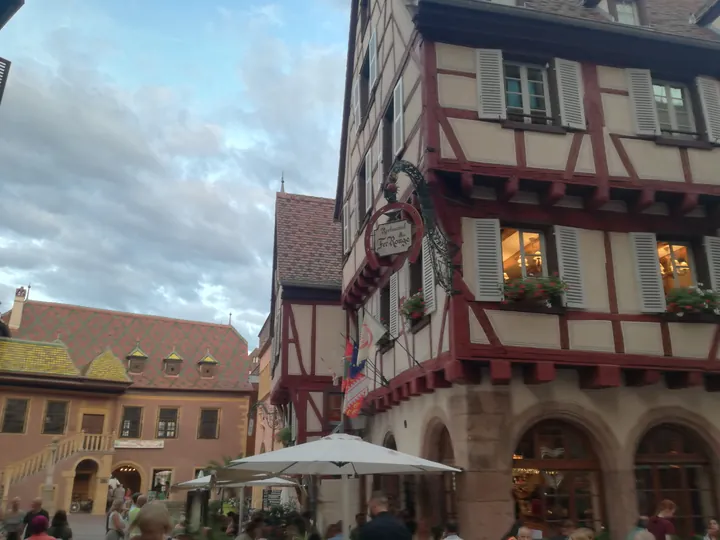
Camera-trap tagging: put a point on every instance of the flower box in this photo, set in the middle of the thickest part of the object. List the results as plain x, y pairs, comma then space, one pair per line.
703, 318
692, 305
554, 307
535, 294
413, 308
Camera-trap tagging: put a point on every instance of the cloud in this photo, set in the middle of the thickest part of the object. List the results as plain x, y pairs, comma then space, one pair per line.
139, 199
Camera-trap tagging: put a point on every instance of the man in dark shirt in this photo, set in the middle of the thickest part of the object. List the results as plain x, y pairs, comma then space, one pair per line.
660, 525
36, 509
383, 525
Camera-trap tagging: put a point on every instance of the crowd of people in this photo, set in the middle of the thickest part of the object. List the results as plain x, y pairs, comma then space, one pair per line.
17, 524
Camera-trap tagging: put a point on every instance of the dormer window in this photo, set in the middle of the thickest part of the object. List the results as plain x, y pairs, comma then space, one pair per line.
207, 366
172, 364
623, 11
136, 360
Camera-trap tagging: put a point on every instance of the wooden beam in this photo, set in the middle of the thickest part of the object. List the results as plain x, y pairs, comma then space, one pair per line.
539, 373
602, 376
509, 189
555, 192
500, 372
455, 372
600, 196
645, 199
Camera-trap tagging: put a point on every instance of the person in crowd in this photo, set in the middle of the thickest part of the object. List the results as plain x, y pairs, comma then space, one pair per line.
37, 528
140, 501
59, 527
13, 521
248, 533
310, 527
660, 525
360, 520
641, 525
451, 532
567, 527
119, 493
643, 534
382, 524
582, 534
524, 533
712, 530
115, 525
334, 532
36, 510
153, 522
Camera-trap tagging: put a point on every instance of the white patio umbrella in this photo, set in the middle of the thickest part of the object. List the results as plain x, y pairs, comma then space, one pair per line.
338, 454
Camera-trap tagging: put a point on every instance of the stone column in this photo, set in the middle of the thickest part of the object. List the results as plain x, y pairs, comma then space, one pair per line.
480, 419
48, 489
620, 502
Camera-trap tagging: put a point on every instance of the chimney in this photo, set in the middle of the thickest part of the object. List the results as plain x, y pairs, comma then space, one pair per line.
17, 309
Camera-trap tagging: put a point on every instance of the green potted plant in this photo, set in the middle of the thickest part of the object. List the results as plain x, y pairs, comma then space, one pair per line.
284, 436
693, 304
541, 291
413, 307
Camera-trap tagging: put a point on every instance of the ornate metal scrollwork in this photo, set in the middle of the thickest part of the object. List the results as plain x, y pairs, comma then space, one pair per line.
443, 249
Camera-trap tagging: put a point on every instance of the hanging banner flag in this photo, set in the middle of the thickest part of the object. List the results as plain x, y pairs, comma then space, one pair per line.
355, 385
371, 332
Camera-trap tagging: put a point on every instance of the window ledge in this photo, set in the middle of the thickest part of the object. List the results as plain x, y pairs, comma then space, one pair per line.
702, 318
418, 325
533, 307
541, 128
683, 143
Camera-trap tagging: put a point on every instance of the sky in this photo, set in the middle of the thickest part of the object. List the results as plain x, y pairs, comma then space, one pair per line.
142, 143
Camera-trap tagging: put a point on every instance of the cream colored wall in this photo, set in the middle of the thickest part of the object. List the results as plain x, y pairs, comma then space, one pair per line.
329, 339
489, 142
392, 40
543, 330
622, 410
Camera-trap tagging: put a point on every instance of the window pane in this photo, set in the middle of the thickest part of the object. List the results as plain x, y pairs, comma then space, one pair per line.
675, 265
14, 416
510, 254
167, 424
627, 13
208, 424
681, 263
511, 70
532, 249
130, 427
55, 417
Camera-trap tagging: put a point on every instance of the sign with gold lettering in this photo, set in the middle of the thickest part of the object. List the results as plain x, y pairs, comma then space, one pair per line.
393, 237
138, 443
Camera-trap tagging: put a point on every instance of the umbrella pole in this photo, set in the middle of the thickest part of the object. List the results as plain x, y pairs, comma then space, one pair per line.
346, 517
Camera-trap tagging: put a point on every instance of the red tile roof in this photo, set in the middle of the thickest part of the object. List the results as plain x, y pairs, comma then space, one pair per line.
308, 241
87, 332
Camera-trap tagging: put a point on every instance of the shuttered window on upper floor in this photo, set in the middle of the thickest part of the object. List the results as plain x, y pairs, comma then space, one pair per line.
509, 253
14, 415
675, 109
532, 93
365, 82
665, 263
55, 420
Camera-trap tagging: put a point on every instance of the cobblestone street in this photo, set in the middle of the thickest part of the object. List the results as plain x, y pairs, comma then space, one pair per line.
87, 527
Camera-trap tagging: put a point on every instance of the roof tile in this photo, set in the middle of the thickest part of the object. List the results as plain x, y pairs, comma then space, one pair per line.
32, 357
308, 241
107, 367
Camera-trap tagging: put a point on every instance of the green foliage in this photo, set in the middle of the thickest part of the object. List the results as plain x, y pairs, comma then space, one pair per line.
413, 308
543, 290
223, 462
284, 436
683, 300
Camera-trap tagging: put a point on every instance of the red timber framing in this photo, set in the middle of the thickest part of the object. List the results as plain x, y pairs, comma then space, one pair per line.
298, 389
452, 181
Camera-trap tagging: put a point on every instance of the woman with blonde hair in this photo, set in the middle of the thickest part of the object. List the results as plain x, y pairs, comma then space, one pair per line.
153, 522
115, 524
582, 534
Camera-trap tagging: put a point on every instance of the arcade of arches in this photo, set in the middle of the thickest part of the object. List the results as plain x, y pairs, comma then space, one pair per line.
557, 475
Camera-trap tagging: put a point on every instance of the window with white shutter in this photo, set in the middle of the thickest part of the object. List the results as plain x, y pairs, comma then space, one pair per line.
346, 227
712, 253
354, 211
394, 315
570, 93
372, 58
490, 84
488, 260
369, 181
567, 241
428, 276
356, 115
709, 92
398, 133
379, 155
4, 72
643, 100
647, 269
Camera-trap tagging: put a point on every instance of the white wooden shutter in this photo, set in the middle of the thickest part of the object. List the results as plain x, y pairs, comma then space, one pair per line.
4, 72
712, 254
354, 211
394, 327
643, 100
356, 103
709, 92
346, 227
490, 84
488, 260
570, 93
368, 181
372, 58
428, 276
567, 242
647, 270
398, 135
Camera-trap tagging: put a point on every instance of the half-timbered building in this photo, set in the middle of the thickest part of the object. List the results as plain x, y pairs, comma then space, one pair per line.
563, 158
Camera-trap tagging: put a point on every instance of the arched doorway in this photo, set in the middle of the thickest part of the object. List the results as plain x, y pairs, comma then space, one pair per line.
129, 477
84, 486
438, 493
557, 478
672, 462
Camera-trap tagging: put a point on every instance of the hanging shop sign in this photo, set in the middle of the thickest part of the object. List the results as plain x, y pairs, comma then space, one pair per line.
393, 238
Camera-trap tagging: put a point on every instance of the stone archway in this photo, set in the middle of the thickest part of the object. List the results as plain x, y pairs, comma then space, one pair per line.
84, 486
437, 494
130, 475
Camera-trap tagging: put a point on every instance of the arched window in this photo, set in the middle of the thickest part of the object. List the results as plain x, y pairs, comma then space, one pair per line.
672, 463
446, 456
556, 477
